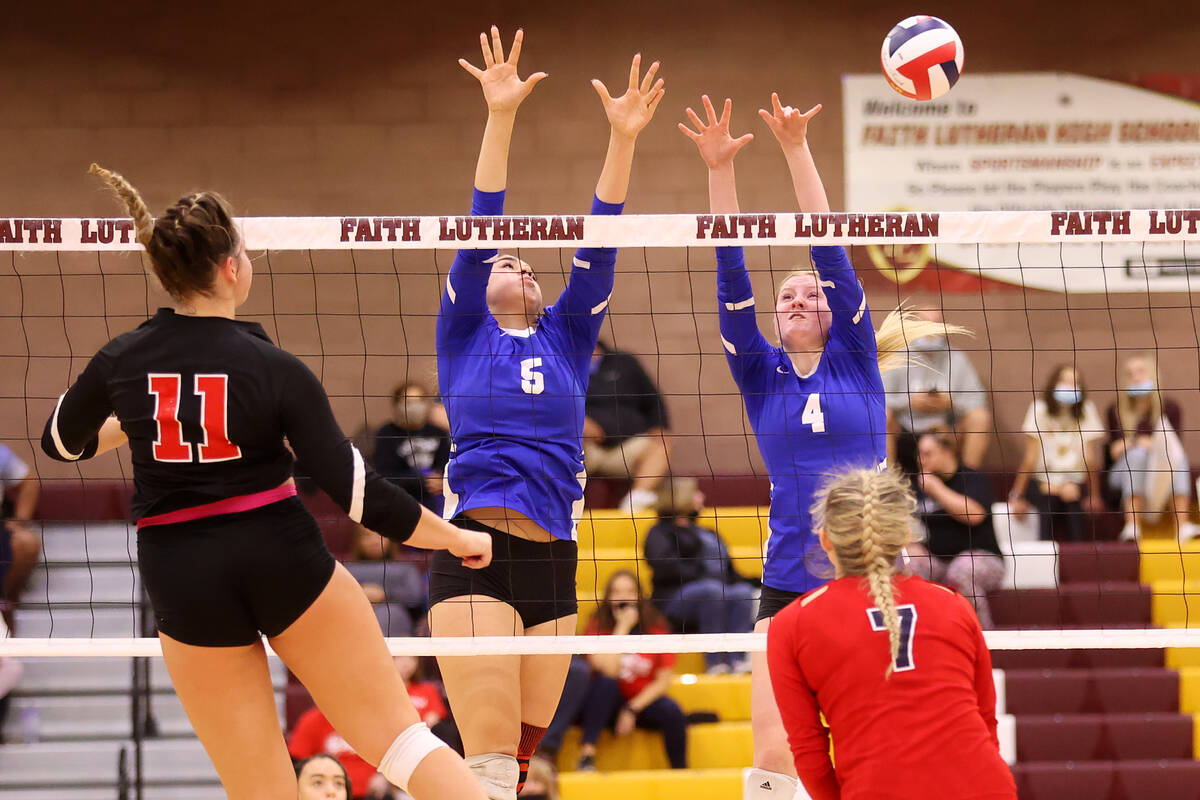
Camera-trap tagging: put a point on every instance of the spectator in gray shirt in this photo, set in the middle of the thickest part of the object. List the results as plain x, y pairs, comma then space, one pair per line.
938, 391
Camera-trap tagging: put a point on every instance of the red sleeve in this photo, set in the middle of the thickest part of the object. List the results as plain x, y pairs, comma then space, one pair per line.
665, 660
985, 685
307, 735
809, 739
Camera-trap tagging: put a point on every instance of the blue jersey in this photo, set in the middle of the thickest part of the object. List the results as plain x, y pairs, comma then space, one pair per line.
515, 398
806, 425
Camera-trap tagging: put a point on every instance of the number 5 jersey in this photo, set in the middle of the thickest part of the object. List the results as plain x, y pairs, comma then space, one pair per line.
515, 398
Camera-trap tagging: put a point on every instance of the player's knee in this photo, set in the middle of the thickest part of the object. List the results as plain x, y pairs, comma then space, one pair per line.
497, 773
406, 753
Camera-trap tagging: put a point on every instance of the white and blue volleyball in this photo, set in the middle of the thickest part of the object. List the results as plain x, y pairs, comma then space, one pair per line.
922, 57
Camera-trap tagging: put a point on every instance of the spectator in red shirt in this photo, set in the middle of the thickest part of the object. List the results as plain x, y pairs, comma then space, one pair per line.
322, 777
314, 736
429, 699
897, 665
630, 690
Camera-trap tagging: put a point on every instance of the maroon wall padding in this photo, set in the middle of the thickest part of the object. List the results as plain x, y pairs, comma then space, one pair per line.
75, 500
1084, 691
1098, 562
1086, 605
1100, 737
1078, 659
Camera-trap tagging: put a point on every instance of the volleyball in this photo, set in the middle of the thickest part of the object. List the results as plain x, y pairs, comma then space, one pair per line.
922, 57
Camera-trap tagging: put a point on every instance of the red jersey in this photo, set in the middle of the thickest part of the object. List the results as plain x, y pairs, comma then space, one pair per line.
427, 699
928, 729
637, 669
313, 734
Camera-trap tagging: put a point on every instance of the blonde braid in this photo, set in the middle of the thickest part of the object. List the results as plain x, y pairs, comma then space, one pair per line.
143, 220
879, 566
865, 514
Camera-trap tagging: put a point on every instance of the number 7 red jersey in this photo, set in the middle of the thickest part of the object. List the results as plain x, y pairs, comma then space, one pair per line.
928, 730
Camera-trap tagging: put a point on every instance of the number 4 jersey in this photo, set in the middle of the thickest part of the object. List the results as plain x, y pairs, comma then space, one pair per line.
516, 398
207, 403
928, 730
806, 426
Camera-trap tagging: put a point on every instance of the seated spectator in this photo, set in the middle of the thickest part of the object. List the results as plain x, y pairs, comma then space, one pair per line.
411, 451
19, 544
954, 503
542, 783
322, 777
625, 433
1059, 474
570, 707
429, 700
395, 588
10, 676
938, 389
314, 738
1149, 471
630, 690
695, 584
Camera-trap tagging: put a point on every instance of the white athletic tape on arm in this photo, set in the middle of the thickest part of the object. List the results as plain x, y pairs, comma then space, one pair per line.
58, 442
406, 753
738, 306
358, 487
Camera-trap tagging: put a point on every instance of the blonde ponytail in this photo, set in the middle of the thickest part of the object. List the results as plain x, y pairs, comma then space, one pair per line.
143, 220
902, 327
865, 515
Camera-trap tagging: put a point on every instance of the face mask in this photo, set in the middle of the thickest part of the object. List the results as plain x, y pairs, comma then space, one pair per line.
1139, 388
414, 412
928, 343
1066, 396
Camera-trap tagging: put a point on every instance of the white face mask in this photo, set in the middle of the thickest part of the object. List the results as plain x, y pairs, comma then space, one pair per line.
412, 412
928, 343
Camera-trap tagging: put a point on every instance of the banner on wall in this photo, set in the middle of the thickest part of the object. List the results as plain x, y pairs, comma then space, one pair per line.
1025, 142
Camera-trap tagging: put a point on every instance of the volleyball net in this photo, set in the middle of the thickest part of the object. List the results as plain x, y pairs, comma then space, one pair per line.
356, 298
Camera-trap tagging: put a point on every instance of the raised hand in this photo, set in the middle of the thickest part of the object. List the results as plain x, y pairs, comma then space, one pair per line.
789, 125
717, 147
631, 112
503, 89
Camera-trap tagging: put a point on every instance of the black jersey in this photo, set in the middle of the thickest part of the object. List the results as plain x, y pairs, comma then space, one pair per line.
207, 403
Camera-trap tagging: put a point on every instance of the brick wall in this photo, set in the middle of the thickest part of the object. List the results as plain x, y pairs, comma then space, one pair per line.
360, 108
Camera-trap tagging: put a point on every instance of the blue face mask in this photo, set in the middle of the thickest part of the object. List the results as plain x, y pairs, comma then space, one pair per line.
1066, 396
1139, 388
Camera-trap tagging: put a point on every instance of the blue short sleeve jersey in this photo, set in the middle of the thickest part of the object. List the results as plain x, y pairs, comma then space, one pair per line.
806, 426
515, 398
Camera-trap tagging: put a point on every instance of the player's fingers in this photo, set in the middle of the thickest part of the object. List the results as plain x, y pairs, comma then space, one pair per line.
776, 105
497, 45
654, 91
471, 68
726, 110
534, 79
487, 51
695, 118
634, 69
657, 99
768, 118
648, 81
688, 132
601, 90
743, 140
812, 112
708, 109
515, 52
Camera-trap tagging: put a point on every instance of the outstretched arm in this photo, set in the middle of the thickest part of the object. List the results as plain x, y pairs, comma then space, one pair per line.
585, 300
846, 298
735, 298
464, 303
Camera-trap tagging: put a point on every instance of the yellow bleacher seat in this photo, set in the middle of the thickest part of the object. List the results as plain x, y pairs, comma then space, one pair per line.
1183, 657
1176, 604
1168, 560
715, 745
727, 696
693, 784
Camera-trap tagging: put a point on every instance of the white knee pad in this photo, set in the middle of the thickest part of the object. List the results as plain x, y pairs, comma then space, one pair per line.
497, 773
406, 753
759, 784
